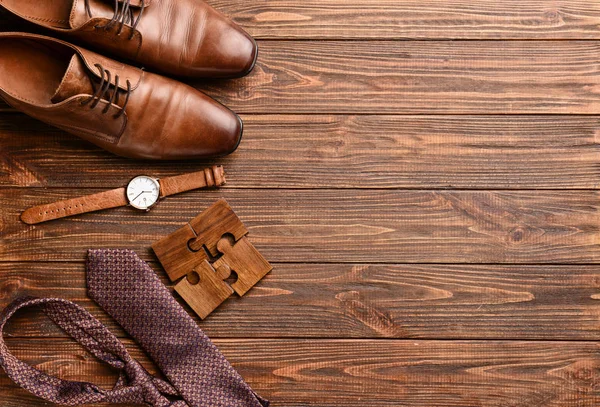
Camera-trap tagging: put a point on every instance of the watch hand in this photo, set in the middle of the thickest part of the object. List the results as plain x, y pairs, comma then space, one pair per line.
141, 193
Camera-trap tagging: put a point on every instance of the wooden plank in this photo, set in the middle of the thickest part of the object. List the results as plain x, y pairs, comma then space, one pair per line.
363, 301
325, 151
374, 373
417, 77
461, 77
310, 111
416, 19
408, 19
348, 226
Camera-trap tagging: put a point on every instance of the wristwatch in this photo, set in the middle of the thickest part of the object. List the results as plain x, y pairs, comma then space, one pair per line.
142, 192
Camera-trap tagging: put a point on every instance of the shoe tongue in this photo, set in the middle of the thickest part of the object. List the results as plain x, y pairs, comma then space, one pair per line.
75, 82
99, 8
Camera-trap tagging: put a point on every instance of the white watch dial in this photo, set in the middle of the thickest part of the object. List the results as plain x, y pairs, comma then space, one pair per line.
143, 192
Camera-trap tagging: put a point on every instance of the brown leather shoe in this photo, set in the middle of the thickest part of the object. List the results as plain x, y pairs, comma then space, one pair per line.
178, 37
118, 107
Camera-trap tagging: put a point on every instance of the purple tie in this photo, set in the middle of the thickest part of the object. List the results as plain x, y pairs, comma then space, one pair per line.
129, 290
198, 375
135, 384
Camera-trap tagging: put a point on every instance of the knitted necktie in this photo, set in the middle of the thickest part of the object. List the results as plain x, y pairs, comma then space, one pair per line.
127, 288
135, 385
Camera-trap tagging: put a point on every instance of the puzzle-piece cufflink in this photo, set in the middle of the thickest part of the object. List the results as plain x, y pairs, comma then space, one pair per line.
215, 236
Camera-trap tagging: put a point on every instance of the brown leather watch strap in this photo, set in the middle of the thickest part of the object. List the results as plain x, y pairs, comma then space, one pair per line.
75, 206
209, 177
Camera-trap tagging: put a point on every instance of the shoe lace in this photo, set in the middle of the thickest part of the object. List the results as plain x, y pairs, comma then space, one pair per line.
123, 15
104, 90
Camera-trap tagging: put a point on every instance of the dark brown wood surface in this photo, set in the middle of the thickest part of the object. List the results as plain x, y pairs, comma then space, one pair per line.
346, 225
338, 151
424, 177
417, 77
371, 372
412, 19
351, 301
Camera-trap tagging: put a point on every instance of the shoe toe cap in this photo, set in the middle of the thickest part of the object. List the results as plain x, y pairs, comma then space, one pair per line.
208, 129
227, 51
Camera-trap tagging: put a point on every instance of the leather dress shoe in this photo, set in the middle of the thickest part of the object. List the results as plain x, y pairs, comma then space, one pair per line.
122, 109
177, 37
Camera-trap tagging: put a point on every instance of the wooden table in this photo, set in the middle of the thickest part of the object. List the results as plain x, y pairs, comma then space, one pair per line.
424, 177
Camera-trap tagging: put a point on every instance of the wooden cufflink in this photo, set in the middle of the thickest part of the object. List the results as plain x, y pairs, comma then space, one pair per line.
210, 249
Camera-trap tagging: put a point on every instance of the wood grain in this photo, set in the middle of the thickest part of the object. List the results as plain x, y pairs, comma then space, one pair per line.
371, 373
414, 19
408, 19
417, 77
327, 151
333, 225
401, 136
363, 301
459, 77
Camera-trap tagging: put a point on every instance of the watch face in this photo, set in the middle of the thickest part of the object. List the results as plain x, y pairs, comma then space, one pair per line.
143, 192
